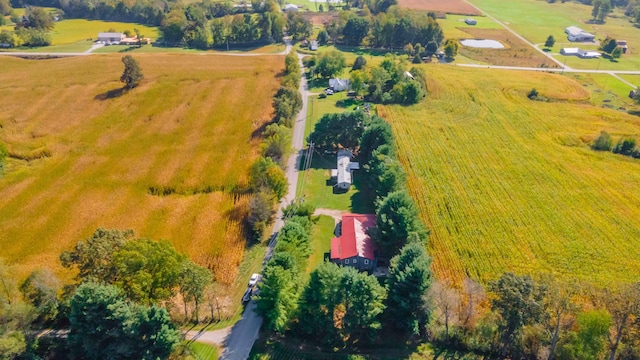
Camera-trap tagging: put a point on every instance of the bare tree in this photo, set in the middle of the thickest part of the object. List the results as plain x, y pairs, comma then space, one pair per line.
474, 293
623, 304
447, 301
559, 308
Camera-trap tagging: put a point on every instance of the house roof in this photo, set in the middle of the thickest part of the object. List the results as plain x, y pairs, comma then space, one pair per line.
110, 34
344, 171
570, 51
354, 240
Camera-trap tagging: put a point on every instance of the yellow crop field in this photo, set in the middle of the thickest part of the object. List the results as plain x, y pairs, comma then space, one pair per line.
509, 184
83, 158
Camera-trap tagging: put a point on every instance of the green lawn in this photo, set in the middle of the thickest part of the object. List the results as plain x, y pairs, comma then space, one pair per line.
321, 241
201, 351
536, 20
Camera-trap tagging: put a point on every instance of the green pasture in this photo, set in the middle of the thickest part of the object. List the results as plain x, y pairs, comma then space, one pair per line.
536, 20
453, 26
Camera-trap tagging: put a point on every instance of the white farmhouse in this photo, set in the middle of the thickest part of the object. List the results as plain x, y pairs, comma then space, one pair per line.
339, 84
574, 33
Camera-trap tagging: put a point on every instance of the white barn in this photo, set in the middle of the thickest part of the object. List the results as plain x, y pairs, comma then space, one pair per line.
339, 84
110, 36
343, 174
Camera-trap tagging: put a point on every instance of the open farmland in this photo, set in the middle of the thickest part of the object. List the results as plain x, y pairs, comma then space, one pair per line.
441, 6
505, 183
92, 159
537, 19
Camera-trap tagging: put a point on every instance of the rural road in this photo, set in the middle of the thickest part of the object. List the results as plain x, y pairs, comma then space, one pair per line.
240, 339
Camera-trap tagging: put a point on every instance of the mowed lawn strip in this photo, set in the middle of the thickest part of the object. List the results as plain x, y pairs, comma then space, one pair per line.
509, 184
188, 127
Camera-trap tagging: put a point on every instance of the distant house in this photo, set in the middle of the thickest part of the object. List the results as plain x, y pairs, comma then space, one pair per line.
355, 247
291, 7
314, 45
339, 84
344, 172
623, 45
110, 36
574, 33
583, 54
470, 21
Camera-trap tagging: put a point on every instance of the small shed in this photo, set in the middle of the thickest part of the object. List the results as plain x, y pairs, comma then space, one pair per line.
339, 84
574, 33
470, 21
623, 45
291, 7
314, 45
110, 36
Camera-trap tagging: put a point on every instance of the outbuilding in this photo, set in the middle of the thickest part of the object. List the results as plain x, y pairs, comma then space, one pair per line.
574, 33
291, 7
470, 21
623, 45
344, 173
110, 37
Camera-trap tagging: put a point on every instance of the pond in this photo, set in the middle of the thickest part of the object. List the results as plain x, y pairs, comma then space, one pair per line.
480, 43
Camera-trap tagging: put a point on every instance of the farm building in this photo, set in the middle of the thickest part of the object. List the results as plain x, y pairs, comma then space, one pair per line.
343, 174
291, 7
339, 84
314, 45
574, 33
355, 247
623, 45
470, 21
110, 36
583, 54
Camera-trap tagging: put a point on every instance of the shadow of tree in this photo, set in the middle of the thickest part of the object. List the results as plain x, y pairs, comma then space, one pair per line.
111, 94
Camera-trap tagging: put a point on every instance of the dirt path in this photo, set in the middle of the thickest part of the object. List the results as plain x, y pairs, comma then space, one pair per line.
335, 214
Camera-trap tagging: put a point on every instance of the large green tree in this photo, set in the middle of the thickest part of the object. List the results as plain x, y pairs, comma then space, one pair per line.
132, 74
518, 303
267, 174
330, 63
335, 131
38, 18
409, 280
148, 271
94, 257
103, 325
397, 219
376, 133
341, 305
278, 297
355, 30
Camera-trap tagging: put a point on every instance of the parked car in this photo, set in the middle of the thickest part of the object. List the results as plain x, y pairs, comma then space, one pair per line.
254, 279
328, 91
247, 296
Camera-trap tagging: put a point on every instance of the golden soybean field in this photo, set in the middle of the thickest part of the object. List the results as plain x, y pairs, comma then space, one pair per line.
509, 184
83, 158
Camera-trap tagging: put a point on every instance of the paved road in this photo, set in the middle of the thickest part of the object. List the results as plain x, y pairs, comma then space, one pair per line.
237, 345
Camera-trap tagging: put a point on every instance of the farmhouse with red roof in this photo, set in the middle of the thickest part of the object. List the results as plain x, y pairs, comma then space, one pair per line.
355, 247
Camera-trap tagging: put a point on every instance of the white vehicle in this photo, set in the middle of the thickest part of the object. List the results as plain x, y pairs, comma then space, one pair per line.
254, 279
328, 91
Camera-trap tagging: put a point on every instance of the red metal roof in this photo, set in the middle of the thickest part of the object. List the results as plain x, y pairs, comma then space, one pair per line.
354, 240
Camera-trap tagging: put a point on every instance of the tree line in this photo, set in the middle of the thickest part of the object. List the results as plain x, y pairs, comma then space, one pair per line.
267, 180
624, 146
30, 29
392, 29
117, 307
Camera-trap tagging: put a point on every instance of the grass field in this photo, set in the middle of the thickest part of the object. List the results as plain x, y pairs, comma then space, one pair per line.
506, 183
537, 19
201, 351
74, 30
94, 158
